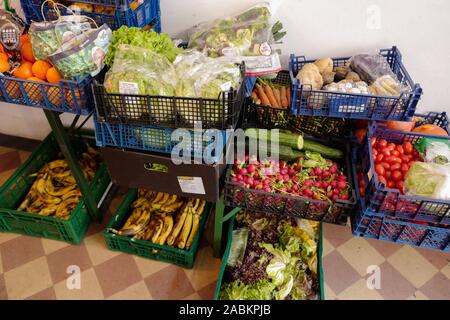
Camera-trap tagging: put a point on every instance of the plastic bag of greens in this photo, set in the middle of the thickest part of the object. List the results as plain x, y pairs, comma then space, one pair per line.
138, 71
83, 54
434, 150
428, 180
248, 35
238, 246
48, 36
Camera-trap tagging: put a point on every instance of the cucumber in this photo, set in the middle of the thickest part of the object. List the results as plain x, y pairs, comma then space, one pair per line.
292, 140
285, 153
296, 141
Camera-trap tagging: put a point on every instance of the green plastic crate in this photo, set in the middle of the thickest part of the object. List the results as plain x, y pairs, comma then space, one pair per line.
13, 191
227, 254
147, 249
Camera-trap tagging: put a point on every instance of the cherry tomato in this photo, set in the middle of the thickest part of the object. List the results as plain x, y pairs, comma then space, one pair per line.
385, 165
374, 152
404, 168
400, 185
386, 152
382, 180
407, 147
405, 158
379, 158
395, 166
391, 184
382, 143
379, 169
399, 148
390, 146
397, 175
373, 141
393, 159
388, 174
395, 153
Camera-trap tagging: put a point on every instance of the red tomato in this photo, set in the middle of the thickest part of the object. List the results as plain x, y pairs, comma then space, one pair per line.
410, 163
382, 143
385, 165
386, 152
388, 174
391, 184
407, 147
415, 153
404, 168
393, 159
379, 158
400, 185
373, 141
390, 146
374, 152
395, 153
395, 166
399, 148
405, 158
382, 180
379, 169
397, 175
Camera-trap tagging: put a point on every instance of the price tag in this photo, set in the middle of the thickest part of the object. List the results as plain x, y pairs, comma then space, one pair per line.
191, 185
128, 87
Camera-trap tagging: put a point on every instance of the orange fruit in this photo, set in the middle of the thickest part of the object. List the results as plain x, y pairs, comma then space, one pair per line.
24, 38
54, 96
53, 75
40, 68
4, 65
23, 71
400, 125
430, 129
33, 90
3, 56
12, 89
27, 52
69, 98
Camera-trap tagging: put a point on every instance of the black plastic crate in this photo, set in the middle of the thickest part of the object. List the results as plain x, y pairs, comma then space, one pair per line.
175, 112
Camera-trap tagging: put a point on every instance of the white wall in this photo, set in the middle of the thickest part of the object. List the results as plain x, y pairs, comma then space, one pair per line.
316, 28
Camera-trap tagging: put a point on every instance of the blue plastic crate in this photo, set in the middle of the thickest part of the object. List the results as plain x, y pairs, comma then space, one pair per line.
307, 102
147, 13
156, 139
382, 201
73, 96
249, 84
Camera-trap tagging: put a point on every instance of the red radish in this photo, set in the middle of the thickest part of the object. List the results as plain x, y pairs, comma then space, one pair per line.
291, 172
295, 179
318, 171
333, 184
307, 183
344, 196
341, 185
316, 184
284, 171
315, 196
239, 177
243, 171
325, 184
295, 187
249, 181
334, 197
267, 189
336, 191
342, 178
333, 168
234, 179
307, 192
251, 168
326, 174
267, 181
286, 178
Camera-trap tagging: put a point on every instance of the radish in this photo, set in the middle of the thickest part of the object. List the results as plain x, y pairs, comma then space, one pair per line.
267, 181
316, 184
334, 197
307, 192
243, 171
333, 184
307, 183
286, 178
342, 178
318, 171
295, 187
291, 172
342, 185
324, 184
284, 171
295, 179
326, 174
344, 196
267, 189
251, 168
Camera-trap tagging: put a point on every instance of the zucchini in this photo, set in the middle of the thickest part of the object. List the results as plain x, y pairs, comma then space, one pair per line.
296, 141
285, 153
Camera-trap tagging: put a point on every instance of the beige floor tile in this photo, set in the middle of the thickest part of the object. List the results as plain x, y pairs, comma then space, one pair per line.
359, 291
360, 254
98, 250
24, 155
413, 266
5, 175
53, 245
327, 247
28, 279
147, 266
137, 291
194, 296
6, 236
418, 295
329, 293
446, 271
206, 269
1, 263
5, 149
89, 289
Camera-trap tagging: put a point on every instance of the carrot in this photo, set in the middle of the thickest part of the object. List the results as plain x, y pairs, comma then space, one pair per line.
254, 96
277, 94
270, 95
288, 96
261, 94
284, 100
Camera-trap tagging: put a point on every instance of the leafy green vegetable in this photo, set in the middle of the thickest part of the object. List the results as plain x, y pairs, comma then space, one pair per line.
157, 42
428, 180
236, 290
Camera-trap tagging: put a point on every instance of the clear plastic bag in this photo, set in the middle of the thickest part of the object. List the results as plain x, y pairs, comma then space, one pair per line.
138, 71
247, 35
428, 180
238, 246
83, 54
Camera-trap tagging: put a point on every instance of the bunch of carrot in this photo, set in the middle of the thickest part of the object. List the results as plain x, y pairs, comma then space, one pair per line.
272, 95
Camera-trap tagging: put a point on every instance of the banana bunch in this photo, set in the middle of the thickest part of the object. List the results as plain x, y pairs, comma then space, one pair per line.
54, 192
163, 218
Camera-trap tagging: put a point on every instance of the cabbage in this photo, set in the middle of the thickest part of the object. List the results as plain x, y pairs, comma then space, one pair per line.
428, 180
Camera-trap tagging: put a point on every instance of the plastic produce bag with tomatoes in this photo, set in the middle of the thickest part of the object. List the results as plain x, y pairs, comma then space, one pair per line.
428, 180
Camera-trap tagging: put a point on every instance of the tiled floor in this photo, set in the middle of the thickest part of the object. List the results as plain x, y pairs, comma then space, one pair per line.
34, 268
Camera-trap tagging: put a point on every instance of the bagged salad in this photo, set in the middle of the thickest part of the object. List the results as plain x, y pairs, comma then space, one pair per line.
248, 35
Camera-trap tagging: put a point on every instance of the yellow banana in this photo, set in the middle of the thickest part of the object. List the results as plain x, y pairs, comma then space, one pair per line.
138, 202
50, 188
168, 225
179, 222
196, 204
194, 229
158, 197
93, 152
182, 238
70, 194
48, 199
172, 208
172, 199
158, 229
48, 211
201, 207
57, 163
